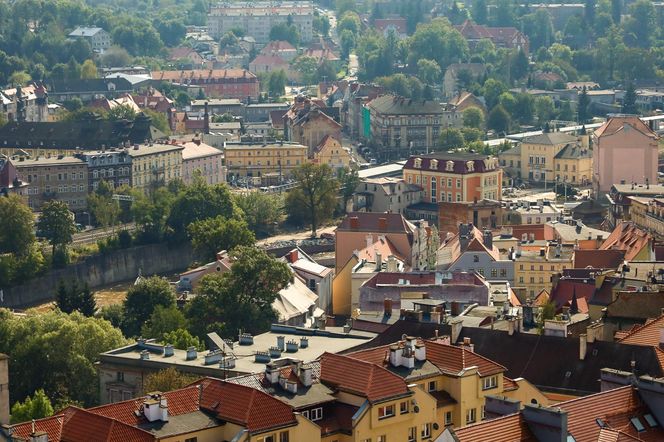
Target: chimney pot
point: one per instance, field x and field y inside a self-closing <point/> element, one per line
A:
<point x="583" y="346"/>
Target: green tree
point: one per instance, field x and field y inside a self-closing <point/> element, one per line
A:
<point x="167" y="380"/>
<point x="143" y="298"/>
<point x="277" y="83"/>
<point x="350" y="21"/>
<point x="163" y="320"/>
<point x="36" y="407"/>
<point x="241" y="298"/>
<point x="348" y="42"/>
<point x="209" y="236"/>
<point x="122" y="112"/>
<point x="56" y="224"/>
<point x="326" y="72"/>
<point x="75" y="298"/>
<point x="343" y="6"/>
<point x="102" y="206"/>
<point x="88" y="70"/>
<point x="19" y="78"/>
<point x="183" y="339"/>
<point x="17" y="226"/>
<point x="629" y="101"/>
<point x="314" y="199"/>
<point x="640" y="26"/>
<point x="224" y="118"/>
<point x="56" y="352"/>
<point x="158" y="120"/>
<point x="545" y="109"/>
<point x="480" y="11"/>
<point x="499" y="119"/>
<point x="451" y="138"/>
<point x="262" y="210"/>
<point x="473" y="117"/>
<point x="492" y="90"/>
<point x="285" y="32"/>
<point x="348" y="179"/>
<point x="428" y="71"/>
<point x="321" y="25"/>
<point x="583" y="107"/>
<point x="115" y="56"/>
<point x="87" y="304"/>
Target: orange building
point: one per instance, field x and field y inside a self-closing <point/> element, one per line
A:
<point x="455" y="177"/>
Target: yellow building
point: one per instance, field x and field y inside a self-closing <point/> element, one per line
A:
<point x="456" y="377"/>
<point x="330" y="152"/>
<point x="154" y="165"/>
<point x="648" y="213"/>
<point x="264" y="161"/>
<point x="550" y="156"/>
<point x="534" y="263"/>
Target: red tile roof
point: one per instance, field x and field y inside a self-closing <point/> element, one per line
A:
<point x="276" y="46"/>
<point x="52" y="426"/>
<point x="628" y="237"/>
<point x="359" y="377"/>
<point x="399" y="24"/>
<point x="617" y="124"/>
<point x="226" y="74"/>
<point x="510" y="428"/>
<point x="246" y="406"/>
<point x="81" y="425"/>
<point x="598" y="259"/>
<point x="563" y="292"/>
<point x="509" y="384"/>
<point x="648" y="334"/>
<point x="371" y="222"/>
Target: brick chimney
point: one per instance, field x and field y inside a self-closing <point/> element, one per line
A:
<point x="382" y="224"/>
<point x="354" y="222"/>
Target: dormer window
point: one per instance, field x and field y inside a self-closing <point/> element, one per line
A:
<point x="433" y="165"/>
<point x="470" y="165"/>
<point x="418" y="163"/>
<point x="449" y="166"/>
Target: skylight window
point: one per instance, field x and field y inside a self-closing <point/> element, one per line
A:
<point x="650" y="420"/>
<point x="637" y="424"/>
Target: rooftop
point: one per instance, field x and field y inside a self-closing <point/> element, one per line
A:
<point x="394" y="105"/>
<point x="198" y="150"/>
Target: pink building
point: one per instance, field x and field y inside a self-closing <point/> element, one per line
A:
<point x="624" y="151"/>
<point x="202" y="157"/>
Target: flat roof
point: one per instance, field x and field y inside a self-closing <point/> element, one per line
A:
<point x="52" y="161"/>
<point x="149" y="149"/>
<point x="386" y="170"/>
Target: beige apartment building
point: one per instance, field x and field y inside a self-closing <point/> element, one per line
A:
<point x="155" y="165"/>
<point x="269" y="162"/>
<point x="55" y="178"/>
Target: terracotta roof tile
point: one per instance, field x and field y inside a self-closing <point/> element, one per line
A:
<point x="371" y="222"/>
<point x="648" y="334"/>
<point x="598" y="259"/>
<point x="509" y="384"/>
<point x="52" y="426"/>
<point x="81" y="425"/>
<point x="359" y="377"/>
<point x="629" y="238"/>
<point x="511" y="428"/>
<point x="243" y="405"/>
<point x="616" y="124"/>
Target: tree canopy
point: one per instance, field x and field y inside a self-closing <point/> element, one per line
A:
<point x="315" y="197"/>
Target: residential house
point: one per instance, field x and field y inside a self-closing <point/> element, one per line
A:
<point x="318" y="278"/>
<point x="465" y="100"/>
<point x="124" y="100"/>
<point x="27" y="103"/>
<point x="61" y="178"/>
<point x="531" y="212"/>
<point x="112" y="165"/>
<point x="323" y="51"/>
<point x="308" y="125"/>
<point x="99" y="39"/>
<point x="648" y="214"/>
<point x="215" y="83"/>
<point x="330" y="151"/>
<point x="637" y="243"/>
<point x="280" y="48"/>
<point x="484" y="214"/>
<point x="218" y="106"/>
<point x="155" y="165"/>
<point x="460" y="75"/>
<point x="472" y="250"/>
<point x="268" y="63"/>
<point x="255" y="112"/>
<point x="402" y="126"/>
<point x="256" y="19"/>
<point x="10" y="183"/>
<point x="186" y="57"/>
<point x="458" y="378"/>
<point x="575" y="232"/>
<point x="624" y="151"/>
<point x="266" y="162"/>
<point x="505" y="37"/>
<point x="203" y="159"/>
<point x="628" y="408"/>
<point x="397" y="25"/>
<point x="354" y="115"/>
<point x="535" y="262"/>
<point x="122" y="371"/>
<point x="391" y="195"/>
<point x="551" y="157"/>
<point x="620" y="199"/>
<point x="455" y="177"/>
<point x="88" y="89"/>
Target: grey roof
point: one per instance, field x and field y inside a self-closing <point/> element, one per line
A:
<point x="145" y="149"/>
<point x="550" y="138"/>
<point x="181" y="424"/>
<point x="573" y="151"/>
<point x="394" y="105"/>
<point x="84" y="32"/>
<point x="43" y="161"/>
<point x="639" y="189"/>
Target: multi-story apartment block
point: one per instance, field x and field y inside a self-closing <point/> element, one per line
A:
<point x="62" y="178"/>
<point x="29" y="103"/>
<point x="381" y="195"/>
<point x="256" y="19"/>
<point x="455" y="177"/>
<point x="624" y="151"/>
<point x="202" y="158"/>
<point x="112" y="166"/>
<point x="271" y="162"/>
<point x="535" y="262"/>
<point x="99" y="39"/>
<point x="402" y="126"/>
<point x="551" y="157"/>
<point x="154" y="165"/>
<point x="215" y="83"/>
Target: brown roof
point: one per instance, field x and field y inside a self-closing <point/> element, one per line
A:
<point x="371" y="222"/>
<point x="81" y="425"/>
<point x="616" y="124"/>
<point x="276" y="46"/>
<point x="400" y="24"/>
<point x="327" y="140"/>
<point x="598" y="259"/>
<point x="629" y="238"/>
<point x="383" y="246"/>
<point x="648" y="334"/>
<point x="510" y="428"/>
<point x="52" y="426"/>
<point x="359" y="377"/>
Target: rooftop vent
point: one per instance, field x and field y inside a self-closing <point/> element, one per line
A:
<point x="155" y="407"/>
<point x="275" y="352"/>
<point x="227" y="362"/>
<point x="262" y="357"/>
<point x="168" y="350"/>
<point x="304" y="342"/>
<point x="145" y="355"/>
<point x="291" y="346"/>
<point x="246" y="339"/>
<point x="191" y="353"/>
<point x="212" y="357"/>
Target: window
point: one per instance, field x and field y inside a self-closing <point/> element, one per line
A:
<point x="426" y="431"/>
<point x="386" y="411"/>
<point x="471" y="416"/>
<point x="476" y="258"/>
<point x="458" y="197"/>
<point x="412" y="434"/>
<point x="403" y="407"/>
<point x="382" y="438"/>
<point x="284" y="436"/>
<point x="448" y="418"/>
<point x="638" y="426"/>
<point x="191" y="439"/>
<point x="449" y="182"/>
<point x="432" y="386"/>
<point x="458" y="183"/>
<point x="305" y="413"/>
<point x="503" y="273"/>
<point x="494" y="273"/>
<point x="489" y="382"/>
<point x="119" y="376"/>
<point x="316" y="414"/>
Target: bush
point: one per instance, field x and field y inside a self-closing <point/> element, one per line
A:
<point x="60" y="258"/>
<point x="124" y="239"/>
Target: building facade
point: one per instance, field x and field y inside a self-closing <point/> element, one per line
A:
<point x="625" y="151"/>
<point x="99" y="39"/>
<point x="256" y="19"/>
<point x="201" y="158"/>
<point x="112" y="166"/>
<point x="215" y="83"/>
<point x="330" y="151"/>
<point x="269" y="162"/>
<point x="391" y="195"/>
<point x="155" y="165"/>
<point x="455" y="177"/>
<point x="56" y="178"/>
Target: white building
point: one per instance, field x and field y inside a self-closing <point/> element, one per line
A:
<point x="256" y="19"/>
<point x="99" y="39"/>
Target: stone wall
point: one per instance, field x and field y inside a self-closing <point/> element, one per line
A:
<point x="102" y="270"/>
